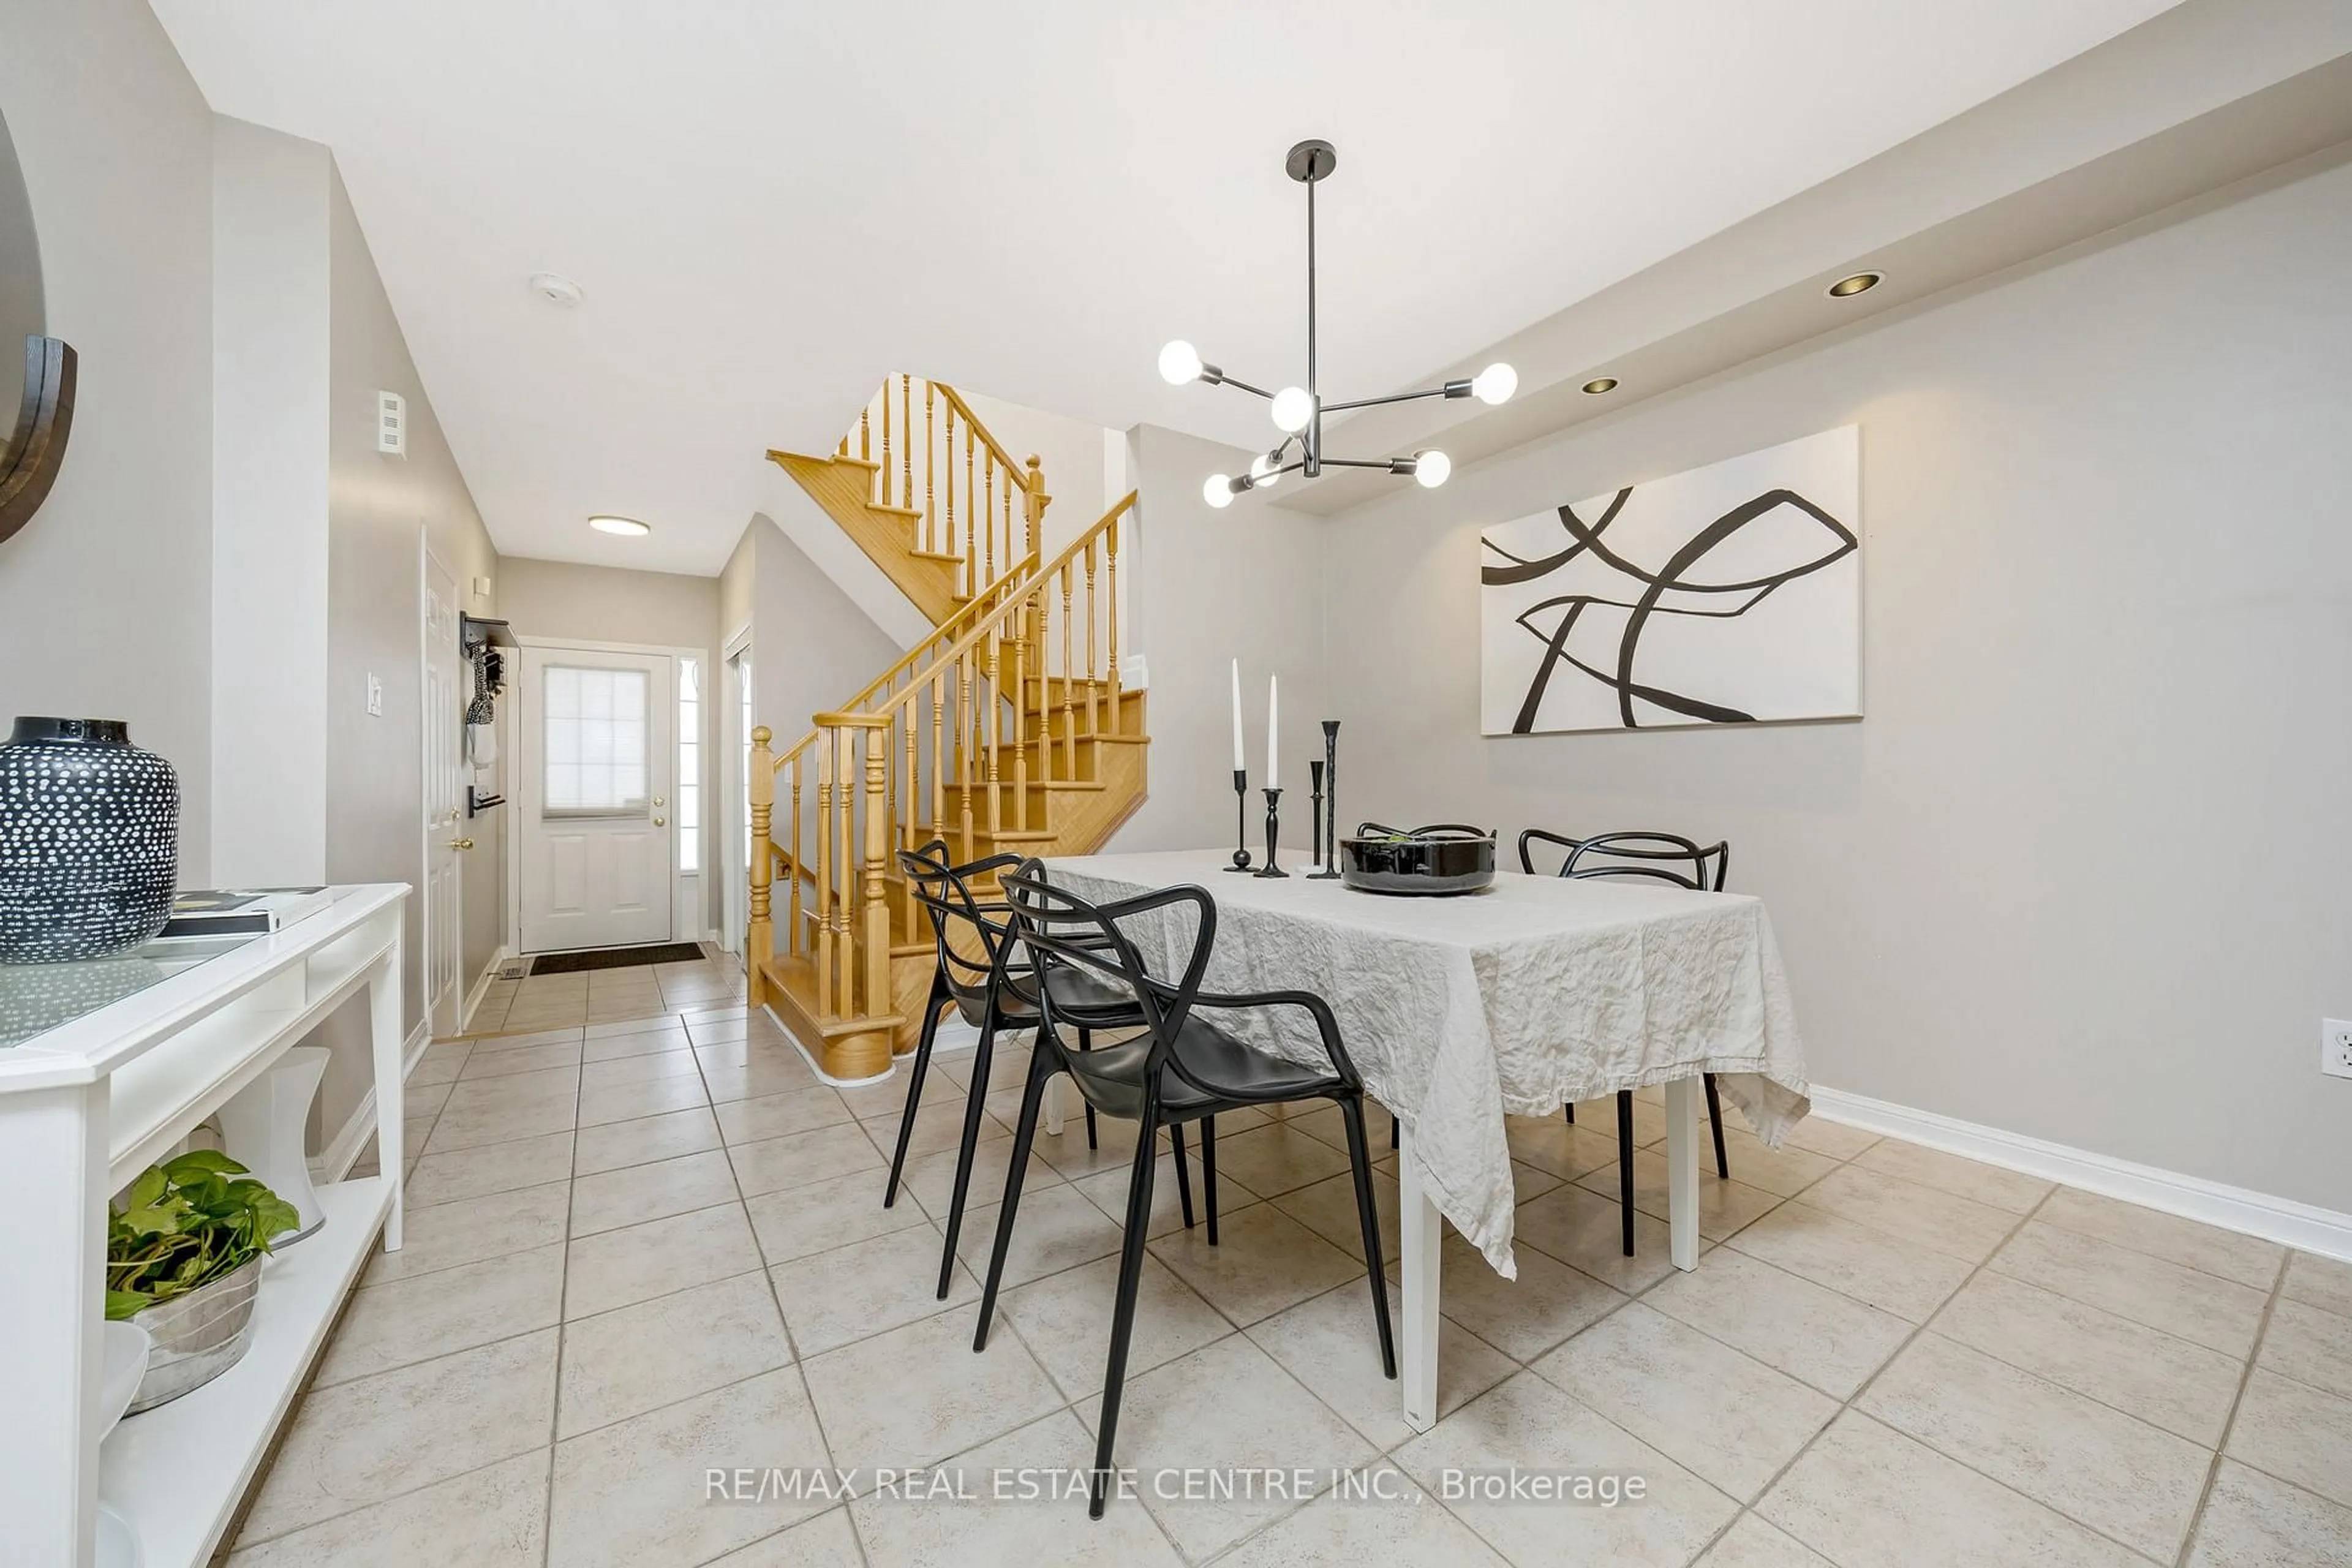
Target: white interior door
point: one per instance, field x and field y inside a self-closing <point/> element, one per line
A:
<point x="444" y="812"/>
<point x="596" y="758"/>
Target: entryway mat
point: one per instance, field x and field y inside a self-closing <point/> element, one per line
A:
<point x="617" y="958"/>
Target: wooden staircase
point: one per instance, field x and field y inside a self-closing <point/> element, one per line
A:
<point x="1005" y="730"/>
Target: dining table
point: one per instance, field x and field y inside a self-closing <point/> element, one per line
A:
<point x="1529" y="995"/>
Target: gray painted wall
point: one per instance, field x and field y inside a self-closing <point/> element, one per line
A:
<point x="1207" y="587"/>
<point x="379" y="508"/>
<point x="2080" y="871"/>
<point x="104" y="608"/>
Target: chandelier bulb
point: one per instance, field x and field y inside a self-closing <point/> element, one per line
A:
<point x="1217" y="490"/>
<point x="1180" y="361"/>
<point x="1495" y="383"/>
<point x="1430" y="468"/>
<point x="1292" y="408"/>
<point x="1265" y="468"/>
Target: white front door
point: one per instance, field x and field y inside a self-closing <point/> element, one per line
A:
<point x="595" y="766"/>
<point x="444" y="816"/>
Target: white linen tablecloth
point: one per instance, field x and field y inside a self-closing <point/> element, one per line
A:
<point x="1455" y="1010"/>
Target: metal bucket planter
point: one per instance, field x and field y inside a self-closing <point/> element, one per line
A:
<point x="197" y="1336"/>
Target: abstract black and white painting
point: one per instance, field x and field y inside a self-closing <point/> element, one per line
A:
<point x="1727" y="594"/>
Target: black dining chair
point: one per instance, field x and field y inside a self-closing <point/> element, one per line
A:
<point x="1656" y="856"/>
<point x="1182" y="1068"/>
<point x="982" y="975"/>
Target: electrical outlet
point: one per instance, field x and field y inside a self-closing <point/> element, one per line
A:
<point x="374" y="696"/>
<point x="2335" y="1047"/>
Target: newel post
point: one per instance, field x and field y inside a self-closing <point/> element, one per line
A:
<point x="1036" y="499"/>
<point x="758" y="942"/>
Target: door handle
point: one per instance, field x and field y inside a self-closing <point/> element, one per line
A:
<point x="461" y="844"/>
<point x="661" y="822"/>
<point x="659" y="801"/>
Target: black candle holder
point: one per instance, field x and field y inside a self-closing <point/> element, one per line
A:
<point x="1241" y="821"/>
<point x="1330" y="804"/>
<point x="1273" y="832"/>
<point x="1315" y="830"/>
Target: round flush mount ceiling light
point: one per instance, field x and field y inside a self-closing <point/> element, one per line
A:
<point x="556" y="288"/>
<point x="1601" y="384"/>
<point x="1856" y="283"/>
<point x="626" y="527"/>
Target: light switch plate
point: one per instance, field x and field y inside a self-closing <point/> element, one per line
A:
<point x="374" y="696"/>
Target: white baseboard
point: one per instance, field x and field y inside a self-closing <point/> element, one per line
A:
<point x="334" y="1163"/>
<point x="1134" y="674"/>
<point x="481" y="987"/>
<point x="2300" y="1224"/>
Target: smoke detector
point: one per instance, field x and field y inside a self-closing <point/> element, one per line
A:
<point x="555" y="288"/>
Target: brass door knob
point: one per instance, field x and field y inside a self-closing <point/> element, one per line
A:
<point x="659" y="801"/>
<point x="661" y="822"/>
<point x="461" y="844"/>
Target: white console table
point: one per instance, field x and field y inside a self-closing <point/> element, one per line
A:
<point x="86" y="1106"/>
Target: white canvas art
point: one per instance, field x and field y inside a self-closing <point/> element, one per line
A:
<point x="1728" y="595"/>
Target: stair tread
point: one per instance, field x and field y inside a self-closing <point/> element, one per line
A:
<point x="891" y="509"/>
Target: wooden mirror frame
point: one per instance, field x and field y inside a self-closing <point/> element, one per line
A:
<point x="37" y="447"/>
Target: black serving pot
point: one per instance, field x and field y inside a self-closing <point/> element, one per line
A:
<point x="1446" y="858"/>
<point x="88" y="841"/>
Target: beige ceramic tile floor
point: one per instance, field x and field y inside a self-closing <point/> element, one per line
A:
<point x="641" y="1250"/>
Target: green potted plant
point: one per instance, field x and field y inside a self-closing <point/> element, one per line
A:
<point x="183" y="1255"/>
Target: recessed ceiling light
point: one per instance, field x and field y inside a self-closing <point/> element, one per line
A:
<point x="1601" y="384"/>
<point x="1859" y="283"/>
<point x="555" y="288"/>
<point x="627" y="526"/>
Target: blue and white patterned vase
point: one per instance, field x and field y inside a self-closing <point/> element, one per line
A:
<point x="90" y="829"/>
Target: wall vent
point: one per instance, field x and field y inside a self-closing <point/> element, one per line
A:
<point x="392" y="424"/>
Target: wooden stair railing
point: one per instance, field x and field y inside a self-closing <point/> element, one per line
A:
<point x="1016" y="734"/>
<point x="936" y="513"/>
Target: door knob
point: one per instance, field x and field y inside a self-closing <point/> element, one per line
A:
<point x="659" y="801"/>
<point x="661" y="822"/>
<point x="461" y="844"/>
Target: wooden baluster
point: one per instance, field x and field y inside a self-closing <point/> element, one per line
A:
<point x="1008" y="517"/>
<point x="882" y="476"/>
<point x="988" y="519"/>
<point x="991" y="668"/>
<point x="909" y="716"/>
<point x="798" y="942"/>
<point x="975" y="509"/>
<point x="939" y="756"/>
<point x="1069" y="701"/>
<point x="946" y="541"/>
<point x="930" y="506"/>
<point x="865" y="434"/>
<point x="1094" y="691"/>
<point x="758" y="942"/>
<point x="1020" y="732"/>
<point x="964" y="734"/>
<point x="1033" y="617"/>
<point x="845" y="860"/>
<point x="877" y="936"/>
<point x="1110" y="591"/>
<point x="905" y="440"/>
<point x="823" y="743"/>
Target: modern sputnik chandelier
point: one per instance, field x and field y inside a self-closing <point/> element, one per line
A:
<point x="1298" y="411"/>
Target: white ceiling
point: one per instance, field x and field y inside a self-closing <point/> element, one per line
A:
<point x="770" y="205"/>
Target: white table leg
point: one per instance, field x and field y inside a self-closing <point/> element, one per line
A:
<point x="1053" y="1105"/>
<point x="1422" y="1230"/>
<point x="53" y="1160"/>
<point x="1682" y="1172"/>
<point x="390" y="1092"/>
